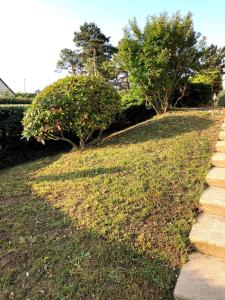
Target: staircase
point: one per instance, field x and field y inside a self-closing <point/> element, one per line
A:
<point x="203" y="277"/>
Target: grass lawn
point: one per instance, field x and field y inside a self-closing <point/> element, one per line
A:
<point x="110" y="222"/>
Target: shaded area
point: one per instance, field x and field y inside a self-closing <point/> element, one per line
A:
<point x="80" y="174"/>
<point x="23" y="151"/>
<point x="30" y="151"/>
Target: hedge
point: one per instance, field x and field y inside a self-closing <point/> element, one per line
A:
<point x="15" y="101"/>
<point x="10" y="125"/>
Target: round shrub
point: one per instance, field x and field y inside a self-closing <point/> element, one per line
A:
<point x="79" y="105"/>
<point x="221" y="99"/>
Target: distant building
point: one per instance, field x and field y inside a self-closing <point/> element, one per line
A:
<point x="5" y="89"/>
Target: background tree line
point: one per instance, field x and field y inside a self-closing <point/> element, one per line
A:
<point x="160" y="65"/>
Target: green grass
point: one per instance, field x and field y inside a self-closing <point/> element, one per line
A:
<point x="110" y="222"/>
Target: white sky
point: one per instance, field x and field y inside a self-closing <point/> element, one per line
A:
<point x="32" y="36"/>
<point x="33" y="32"/>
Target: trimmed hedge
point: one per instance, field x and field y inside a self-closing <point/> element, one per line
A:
<point x="74" y="105"/>
<point x="15" y="101"/>
<point x="198" y="94"/>
<point x="11" y="125"/>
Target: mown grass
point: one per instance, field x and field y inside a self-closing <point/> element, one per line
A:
<point x="110" y="222"/>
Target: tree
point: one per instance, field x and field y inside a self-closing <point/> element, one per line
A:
<point x="93" y="49"/>
<point x="214" y="58"/>
<point x="70" y="60"/>
<point x="160" y="58"/>
<point x="73" y="106"/>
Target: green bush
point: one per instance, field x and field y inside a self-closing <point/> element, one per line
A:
<point x="75" y="105"/>
<point x="198" y="94"/>
<point x="15" y="101"/>
<point x="202" y="87"/>
<point x="221" y="99"/>
<point x="131" y="98"/>
<point x="11" y="125"/>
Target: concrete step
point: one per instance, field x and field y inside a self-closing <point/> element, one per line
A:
<point x="220" y="146"/>
<point x="213" y="201"/>
<point x="218" y="160"/>
<point x="202" y="278"/>
<point x="208" y="235"/>
<point x="222" y="135"/>
<point x="216" y="177"/>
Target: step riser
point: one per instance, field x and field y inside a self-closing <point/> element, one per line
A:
<point x="212" y="209"/>
<point x="216" y="183"/>
<point x="218" y="163"/>
<point x="222" y="136"/>
<point x="208" y="249"/>
<point x="220" y="149"/>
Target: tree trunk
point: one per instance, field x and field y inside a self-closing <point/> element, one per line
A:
<point x="94" y="63"/>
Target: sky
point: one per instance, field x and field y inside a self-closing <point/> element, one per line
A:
<point x="34" y="31"/>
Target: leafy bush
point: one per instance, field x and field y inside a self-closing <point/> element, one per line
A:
<point x="198" y="94"/>
<point x="78" y="105"/>
<point x="202" y="87"/>
<point x="15" y="101"/>
<point x="210" y="77"/>
<point x="221" y="99"/>
<point x="11" y="125"/>
<point x="131" y="97"/>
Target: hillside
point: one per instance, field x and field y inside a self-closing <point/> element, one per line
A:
<point x="109" y="222"/>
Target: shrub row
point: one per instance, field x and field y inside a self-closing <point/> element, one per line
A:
<point x="11" y="125"/>
<point x="16" y="101"/>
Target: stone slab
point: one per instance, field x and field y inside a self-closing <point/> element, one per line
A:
<point x="208" y="235"/>
<point x="213" y="201"/>
<point x="216" y="177"/>
<point x="202" y="278"/>
<point x="218" y="160"/>
<point x="220" y="146"/>
<point x="222" y="135"/>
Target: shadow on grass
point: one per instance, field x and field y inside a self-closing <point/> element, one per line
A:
<point x="45" y="255"/>
<point x="163" y="128"/>
<point x="81" y="174"/>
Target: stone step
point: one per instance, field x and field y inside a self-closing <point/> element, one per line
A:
<point x="202" y="278"/>
<point x="222" y="135"/>
<point x="213" y="201"/>
<point x="218" y="160"/>
<point x="208" y="235"/>
<point x="223" y="126"/>
<point x="216" y="177"/>
<point x="220" y="146"/>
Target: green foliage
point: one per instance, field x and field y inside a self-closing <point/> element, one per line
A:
<point x="10" y="125"/>
<point x="198" y="93"/>
<point x="11" y="100"/>
<point x="21" y="95"/>
<point x="161" y="57"/>
<point x="210" y="77"/>
<point x="93" y="49"/>
<point x="221" y="99"/>
<point x="77" y="105"/>
<point x="131" y="97"/>
<point x="214" y="57"/>
<point x="202" y="87"/>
